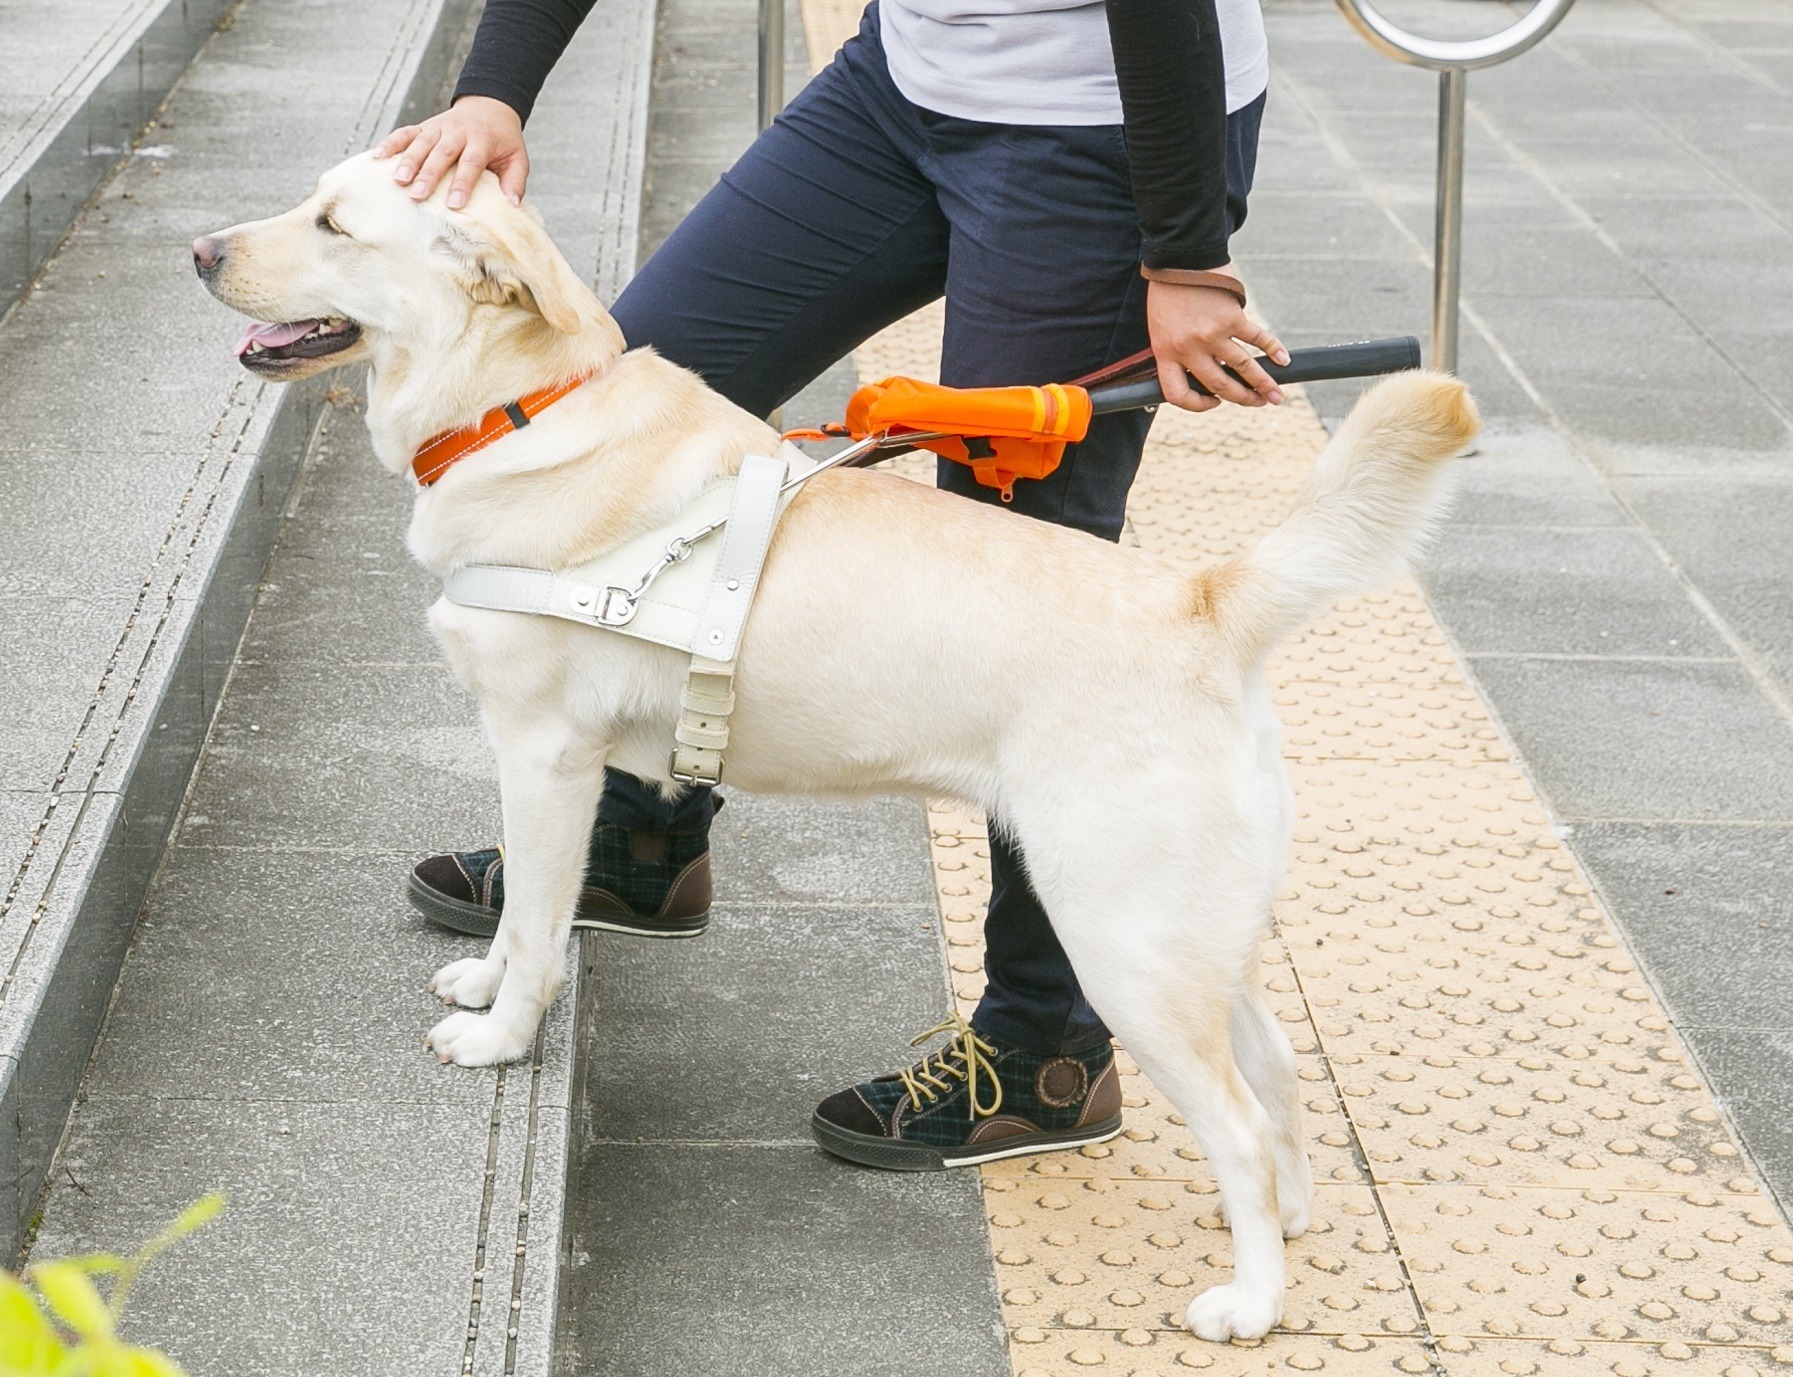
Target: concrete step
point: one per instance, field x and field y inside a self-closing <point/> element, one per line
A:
<point x="142" y="475"/>
<point x="263" y="1037"/>
<point x="79" y="81"/>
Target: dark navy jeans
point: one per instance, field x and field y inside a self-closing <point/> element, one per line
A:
<point x="852" y="211"/>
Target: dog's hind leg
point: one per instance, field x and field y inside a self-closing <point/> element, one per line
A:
<point x="1179" y="1034"/>
<point x="550" y="784"/>
<point x="1166" y="967"/>
<point x="1268" y="1064"/>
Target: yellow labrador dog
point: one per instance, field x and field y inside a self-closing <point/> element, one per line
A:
<point x="902" y="641"/>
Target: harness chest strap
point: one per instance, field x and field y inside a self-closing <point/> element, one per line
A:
<point x="699" y="601"/>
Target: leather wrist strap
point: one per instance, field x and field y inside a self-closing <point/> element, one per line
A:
<point x="1196" y="277"/>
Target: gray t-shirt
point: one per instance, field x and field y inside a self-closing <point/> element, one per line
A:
<point x="1038" y="61"/>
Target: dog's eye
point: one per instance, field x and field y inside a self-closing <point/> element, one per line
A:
<point x="330" y="226"/>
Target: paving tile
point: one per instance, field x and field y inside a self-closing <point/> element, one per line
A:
<point x="365" y="757"/>
<point x="1530" y="476"/>
<point x="1460" y="1357"/>
<point x="1644" y="1266"/>
<point x="1645" y="350"/>
<point x="1613" y="738"/>
<point x="1709" y="912"/>
<point x="49" y="499"/>
<point x="1106" y="1254"/>
<point x="281" y="976"/>
<point x="58" y="651"/>
<point x="737" y="1012"/>
<point x="1333" y="227"/>
<point x="1631" y="1123"/>
<point x="800" y="851"/>
<point x="1342" y="300"/>
<point x="1730" y="536"/>
<point x="1657" y="232"/>
<point x="355" y="1192"/>
<point x="21" y="815"/>
<point x="700" y="1259"/>
<point x="1751" y="1070"/>
<point x="1650" y="166"/>
<point x="344" y="588"/>
<point x="1578" y="592"/>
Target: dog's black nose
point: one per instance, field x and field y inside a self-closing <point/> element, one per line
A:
<point x="208" y="253"/>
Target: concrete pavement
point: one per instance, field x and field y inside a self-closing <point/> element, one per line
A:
<point x="1542" y="827"/>
<point x="1619" y="575"/>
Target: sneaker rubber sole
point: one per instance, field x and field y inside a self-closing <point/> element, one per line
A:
<point x="476" y="920"/>
<point x="894" y="1154"/>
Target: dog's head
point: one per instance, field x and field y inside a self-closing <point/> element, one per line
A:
<point x="359" y="269"/>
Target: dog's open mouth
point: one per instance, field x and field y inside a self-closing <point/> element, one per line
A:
<point x="270" y="348"/>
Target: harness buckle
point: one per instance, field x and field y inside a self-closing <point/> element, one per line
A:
<point x="609" y="606"/>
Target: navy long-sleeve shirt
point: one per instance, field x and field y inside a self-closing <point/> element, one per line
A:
<point x="1168" y="66"/>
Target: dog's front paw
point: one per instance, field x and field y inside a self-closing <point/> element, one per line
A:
<point x="476" y="1040"/>
<point x="471" y="984"/>
<point x="1229" y="1312"/>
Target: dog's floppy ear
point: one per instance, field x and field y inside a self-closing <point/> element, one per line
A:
<point x="508" y="256"/>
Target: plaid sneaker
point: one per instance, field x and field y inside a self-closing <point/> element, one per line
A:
<point x="971" y="1102"/>
<point x="648" y="884"/>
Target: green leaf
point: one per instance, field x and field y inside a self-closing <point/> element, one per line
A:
<point x="117" y="1360"/>
<point x="196" y="1216"/>
<point x="28" y="1343"/>
<point x="74" y="1298"/>
<point x="142" y="1362"/>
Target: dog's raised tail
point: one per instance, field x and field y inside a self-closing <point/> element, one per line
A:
<point x="1374" y="495"/>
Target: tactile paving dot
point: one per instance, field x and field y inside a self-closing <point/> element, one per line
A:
<point x="1128" y="1254"/>
<point x="1570" y="1358"/>
<point x="1462" y="1012"/>
<point x="1157" y="1145"/>
<point x="1639" y="1124"/>
<point x="1596" y="1264"/>
<point x="1145" y="1353"/>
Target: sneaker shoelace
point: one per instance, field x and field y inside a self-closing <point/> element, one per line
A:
<point x="964" y="1059"/>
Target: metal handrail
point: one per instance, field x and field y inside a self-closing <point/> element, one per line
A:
<point x="771" y="60"/>
<point x="1453" y="60"/>
<point x="1467" y="53"/>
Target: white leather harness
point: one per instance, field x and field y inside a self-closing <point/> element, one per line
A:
<point x="673" y="587"/>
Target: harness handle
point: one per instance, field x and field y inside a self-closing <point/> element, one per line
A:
<point x="1133" y="382"/>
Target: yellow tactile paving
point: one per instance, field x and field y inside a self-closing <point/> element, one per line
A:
<point x="1519" y="1174"/>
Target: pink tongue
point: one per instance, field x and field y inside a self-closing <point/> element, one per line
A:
<point x="273" y="336"/>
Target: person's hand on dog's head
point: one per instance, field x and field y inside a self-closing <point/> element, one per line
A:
<point x="477" y="133"/>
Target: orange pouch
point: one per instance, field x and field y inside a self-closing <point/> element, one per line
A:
<point x="1001" y="433"/>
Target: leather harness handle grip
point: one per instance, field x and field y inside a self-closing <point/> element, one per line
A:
<point x="1362" y="359"/>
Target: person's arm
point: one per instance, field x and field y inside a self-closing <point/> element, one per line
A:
<point x="515" y="47"/>
<point x="1172" y="76"/>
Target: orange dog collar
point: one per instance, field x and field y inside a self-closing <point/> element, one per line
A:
<point x="441" y="454"/>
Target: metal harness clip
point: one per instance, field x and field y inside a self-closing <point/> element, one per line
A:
<point x="611" y="606"/>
